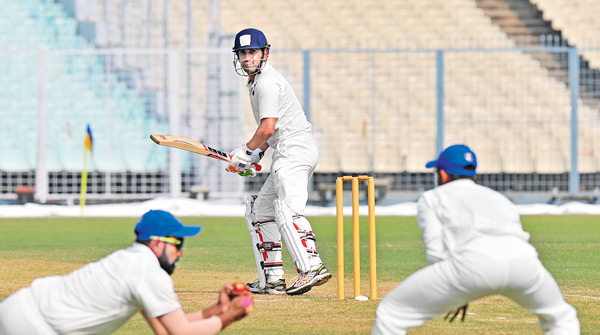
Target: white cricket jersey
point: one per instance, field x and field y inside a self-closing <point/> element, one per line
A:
<point x="462" y="216"/>
<point x="102" y="296"/>
<point x="271" y="96"/>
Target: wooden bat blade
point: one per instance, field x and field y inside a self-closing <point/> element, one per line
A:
<point x="185" y="143"/>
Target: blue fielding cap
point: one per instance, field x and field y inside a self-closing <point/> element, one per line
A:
<point x="454" y="160"/>
<point x="162" y="223"/>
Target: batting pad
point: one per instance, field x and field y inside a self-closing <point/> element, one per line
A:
<point x="308" y="236"/>
<point x="254" y="236"/>
<point x="289" y="232"/>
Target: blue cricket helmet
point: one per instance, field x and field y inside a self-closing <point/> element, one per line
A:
<point x="250" y="38"/>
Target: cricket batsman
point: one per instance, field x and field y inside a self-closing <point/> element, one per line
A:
<point x="277" y="209"/>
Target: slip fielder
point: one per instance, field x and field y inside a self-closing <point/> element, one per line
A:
<point x="101" y="296"/>
<point x="477" y="247"/>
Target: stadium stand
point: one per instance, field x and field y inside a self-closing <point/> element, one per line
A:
<point x="519" y="19"/>
<point x="495" y="82"/>
<point x="373" y="105"/>
<point x="79" y="90"/>
<point x="577" y="20"/>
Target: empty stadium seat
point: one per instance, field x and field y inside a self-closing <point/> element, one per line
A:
<point x="78" y="89"/>
<point x="392" y="90"/>
<point x="486" y="87"/>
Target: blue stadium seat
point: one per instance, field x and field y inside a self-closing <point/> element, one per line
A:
<point x="79" y="90"/>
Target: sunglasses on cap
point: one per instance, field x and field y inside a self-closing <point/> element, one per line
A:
<point x="177" y="242"/>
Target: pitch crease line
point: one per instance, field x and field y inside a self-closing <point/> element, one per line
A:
<point x="581" y="296"/>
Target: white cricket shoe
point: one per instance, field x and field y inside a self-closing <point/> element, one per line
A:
<point x="276" y="287"/>
<point x="305" y="281"/>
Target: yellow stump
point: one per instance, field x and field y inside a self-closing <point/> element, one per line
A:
<point x="339" y="198"/>
<point x="356" y="234"/>
<point x="355" y="237"/>
<point x="372" y="241"/>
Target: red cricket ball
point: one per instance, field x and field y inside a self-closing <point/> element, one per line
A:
<point x="239" y="288"/>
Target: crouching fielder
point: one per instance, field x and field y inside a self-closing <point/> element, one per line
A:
<point x="477" y="247"/>
<point x="101" y="296"/>
<point x="277" y="210"/>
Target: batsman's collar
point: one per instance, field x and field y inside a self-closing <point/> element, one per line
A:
<point x="162" y="223"/>
<point x="455" y="159"/>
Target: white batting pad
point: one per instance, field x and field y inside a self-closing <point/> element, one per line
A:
<point x="311" y="245"/>
<point x="283" y="218"/>
<point x="255" y="242"/>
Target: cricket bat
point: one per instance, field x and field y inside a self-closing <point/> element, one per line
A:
<point x="185" y="143"/>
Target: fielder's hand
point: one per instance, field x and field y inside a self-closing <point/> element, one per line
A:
<point x="456" y="312"/>
<point x="235" y="305"/>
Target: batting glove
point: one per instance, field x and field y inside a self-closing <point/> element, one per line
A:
<point x="230" y="168"/>
<point x="257" y="155"/>
<point x="250" y="173"/>
<point x="241" y="160"/>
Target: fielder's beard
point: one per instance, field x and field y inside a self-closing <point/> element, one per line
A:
<point x="163" y="260"/>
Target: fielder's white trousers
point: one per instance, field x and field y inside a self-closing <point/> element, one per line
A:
<point x="19" y="315"/>
<point x="446" y="285"/>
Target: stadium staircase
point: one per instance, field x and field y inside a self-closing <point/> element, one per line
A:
<point x="524" y="21"/>
<point x="518" y="18"/>
<point x="577" y="21"/>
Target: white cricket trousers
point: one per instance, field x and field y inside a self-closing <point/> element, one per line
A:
<point x="294" y="161"/>
<point x="19" y="315"/>
<point x="448" y="284"/>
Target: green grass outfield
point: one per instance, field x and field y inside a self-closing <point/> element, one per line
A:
<point x="569" y="246"/>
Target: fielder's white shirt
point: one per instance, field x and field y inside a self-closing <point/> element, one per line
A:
<point x="271" y="96"/>
<point x="102" y="296"/>
<point x="462" y="216"/>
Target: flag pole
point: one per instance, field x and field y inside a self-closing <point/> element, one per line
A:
<point x="83" y="183"/>
<point x="88" y="146"/>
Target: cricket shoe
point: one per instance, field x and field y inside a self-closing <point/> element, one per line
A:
<point x="305" y="281"/>
<point x="276" y="287"/>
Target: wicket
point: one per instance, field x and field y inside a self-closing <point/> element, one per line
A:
<point x="355" y="234"/>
